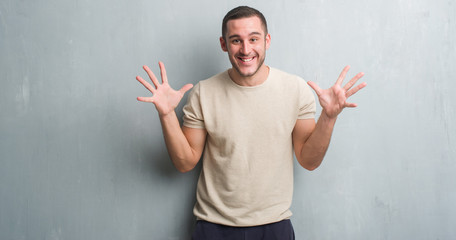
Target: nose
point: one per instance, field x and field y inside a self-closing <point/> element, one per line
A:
<point x="245" y="49"/>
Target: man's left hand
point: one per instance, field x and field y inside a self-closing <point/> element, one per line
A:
<point x="333" y="100"/>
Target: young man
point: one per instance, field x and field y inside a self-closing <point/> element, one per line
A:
<point x="248" y="120"/>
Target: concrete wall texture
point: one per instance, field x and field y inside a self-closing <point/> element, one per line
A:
<point x="80" y="158"/>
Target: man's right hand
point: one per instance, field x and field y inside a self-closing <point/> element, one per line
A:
<point x="163" y="97"/>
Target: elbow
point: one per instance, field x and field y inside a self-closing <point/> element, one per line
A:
<point x="185" y="169"/>
<point x="184" y="165"/>
<point x="310" y="161"/>
<point x="309" y="165"/>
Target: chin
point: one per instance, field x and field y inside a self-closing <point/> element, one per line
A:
<point x="249" y="73"/>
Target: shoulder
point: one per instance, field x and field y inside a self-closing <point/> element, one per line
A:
<point x="287" y="79"/>
<point x="280" y="73"/>
<point x="210" y="83"/>
<point x="210" y="86"/>
<point x="215" y="81"/>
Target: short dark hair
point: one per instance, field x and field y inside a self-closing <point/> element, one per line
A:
<point x="243" y="12"/>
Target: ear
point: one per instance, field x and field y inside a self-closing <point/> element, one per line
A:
<point x="223" y="44"/>
<point x="268" y="40"/>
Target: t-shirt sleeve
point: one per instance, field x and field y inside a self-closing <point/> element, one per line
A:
<point x="307" y="106"/>
<point x="193" y="116"/>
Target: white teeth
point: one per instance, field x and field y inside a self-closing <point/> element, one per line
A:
<point x="246" y="59"/>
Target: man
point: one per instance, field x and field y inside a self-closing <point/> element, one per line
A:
<point x="247" y="120"/>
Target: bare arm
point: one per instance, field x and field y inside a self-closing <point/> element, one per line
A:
<point x="185" y="145"/>
<point x="311" y="140"/>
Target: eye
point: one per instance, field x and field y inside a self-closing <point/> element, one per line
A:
<point x="236" y="41"/>
<point x="254" y="39"/>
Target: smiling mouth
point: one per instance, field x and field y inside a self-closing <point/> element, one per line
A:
<point x="246" y="59"/>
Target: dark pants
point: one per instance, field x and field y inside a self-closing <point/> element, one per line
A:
<point x="282" y="230"/>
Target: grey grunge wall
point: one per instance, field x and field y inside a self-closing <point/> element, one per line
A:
<point x="80" y="158"/>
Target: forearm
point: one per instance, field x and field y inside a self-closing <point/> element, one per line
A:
<point x="311" y="150"/>
<point x="179" y="149"/>
<point x="314" y="149"/>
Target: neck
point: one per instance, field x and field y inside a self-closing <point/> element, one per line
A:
<point x="249" y="81"/>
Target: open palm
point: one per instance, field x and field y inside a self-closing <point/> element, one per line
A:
<point x="333" y="100"/>
<point x="163" y="97"/>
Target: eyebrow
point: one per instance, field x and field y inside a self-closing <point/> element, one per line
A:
<point x="236" y="35"/>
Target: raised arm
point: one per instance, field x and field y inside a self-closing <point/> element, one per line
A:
<point x="311" y="140"/>
<point x="185" y="145"/>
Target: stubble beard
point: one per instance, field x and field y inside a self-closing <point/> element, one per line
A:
<point x="236" y="67"/>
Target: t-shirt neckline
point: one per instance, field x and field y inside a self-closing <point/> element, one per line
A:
<point x="249" y="87"/>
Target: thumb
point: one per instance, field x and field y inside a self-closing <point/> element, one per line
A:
<point x="315" y="87"/>
<point x="185" y="88"/>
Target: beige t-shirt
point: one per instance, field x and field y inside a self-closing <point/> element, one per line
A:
<point x="247" y="173"/>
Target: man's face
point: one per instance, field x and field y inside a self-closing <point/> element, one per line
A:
<point x="246" y="44"/>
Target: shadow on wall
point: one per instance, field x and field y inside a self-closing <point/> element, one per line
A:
<point x="159" y="193"/>
<point x="147" y="155"/>
<point x="161" y="166"/>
